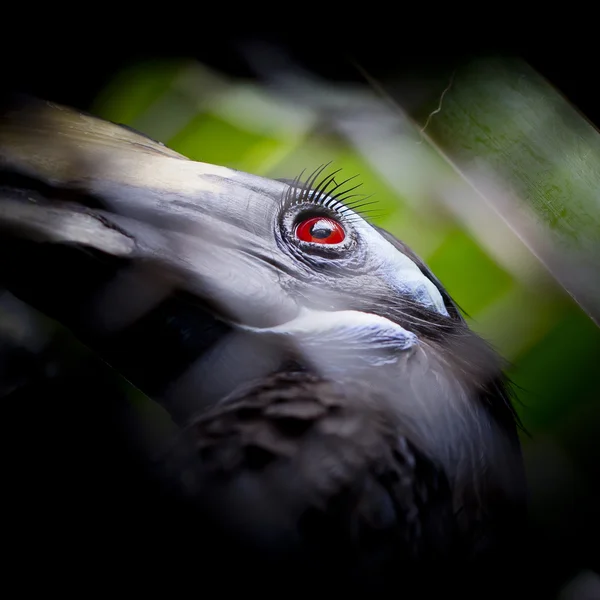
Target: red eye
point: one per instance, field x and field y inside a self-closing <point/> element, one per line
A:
<point x="320" y="230"/>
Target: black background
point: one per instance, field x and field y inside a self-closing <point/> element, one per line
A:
<point x="68" y="60"/>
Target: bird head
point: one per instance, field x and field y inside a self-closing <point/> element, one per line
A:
<point x="195" y="279"/>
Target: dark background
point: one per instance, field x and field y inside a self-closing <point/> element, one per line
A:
<point x="70" y="62"/>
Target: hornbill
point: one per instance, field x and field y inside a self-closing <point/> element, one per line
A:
<point x="338" y="421"/>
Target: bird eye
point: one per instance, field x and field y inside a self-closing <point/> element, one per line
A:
<point x="320" y="230"/>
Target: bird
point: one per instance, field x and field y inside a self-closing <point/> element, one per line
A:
<point x="339" y="425"/>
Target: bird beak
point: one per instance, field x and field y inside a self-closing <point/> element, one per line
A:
<point x="79" y="180"/>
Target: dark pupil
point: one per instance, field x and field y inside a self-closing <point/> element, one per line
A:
<point x="321" y="230"/>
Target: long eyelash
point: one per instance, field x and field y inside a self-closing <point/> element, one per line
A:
<point x="323" y="194"/>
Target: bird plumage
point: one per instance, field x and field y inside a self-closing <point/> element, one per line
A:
<point x="311" y="475"/>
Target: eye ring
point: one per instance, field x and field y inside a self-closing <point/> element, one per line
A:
<point x="320" y="230"/>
